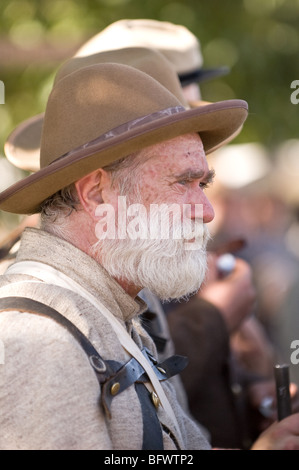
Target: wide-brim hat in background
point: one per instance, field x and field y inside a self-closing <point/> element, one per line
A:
<point x="22" y="147"/>
<point x="179" y="45"/>
<point x="238" y="166"/>
<point x="101" y="113"/>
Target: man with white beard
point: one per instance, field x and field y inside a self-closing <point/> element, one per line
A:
<point x="79" y="371"/>
<point x="156" y="245"/>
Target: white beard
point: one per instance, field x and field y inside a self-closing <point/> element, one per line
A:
<point x="166" y="267"/>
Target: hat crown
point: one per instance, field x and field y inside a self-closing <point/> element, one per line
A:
<point x="147" y="60"/>
<point x="93" y="101"/>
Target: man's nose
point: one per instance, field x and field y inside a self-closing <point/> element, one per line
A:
<point x="208" y="211"/>
<point x="203" y="210"/>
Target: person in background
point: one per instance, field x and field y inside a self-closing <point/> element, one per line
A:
<point x="282" y="319"/>
<point x="261" y="196"/>
<point x="242" y="201"/>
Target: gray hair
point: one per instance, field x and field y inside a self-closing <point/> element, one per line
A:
<point x="60" y="205"/>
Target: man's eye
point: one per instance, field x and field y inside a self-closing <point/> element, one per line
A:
<point x="204" y="185"/>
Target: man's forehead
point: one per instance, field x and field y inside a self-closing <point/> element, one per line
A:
<point x="182" y="141"/>
<point x="189" y="145"/>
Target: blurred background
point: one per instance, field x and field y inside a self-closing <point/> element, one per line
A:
<point x="259" y="41"/>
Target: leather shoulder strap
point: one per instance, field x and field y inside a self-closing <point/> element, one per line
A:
<point x="24" y="304"/>
<point x="152" y="433"/>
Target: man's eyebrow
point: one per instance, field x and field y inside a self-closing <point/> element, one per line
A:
<point x="194" y="175"/>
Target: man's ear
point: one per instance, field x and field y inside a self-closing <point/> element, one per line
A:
<point x="91" y="190"/>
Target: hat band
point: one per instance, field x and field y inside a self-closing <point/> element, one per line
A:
<point x="123" y="128"/>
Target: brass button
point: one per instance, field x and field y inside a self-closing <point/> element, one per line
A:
<point x="115" y="388"/>
<point x="155" y="399"/>
<point x="160" y="369"/>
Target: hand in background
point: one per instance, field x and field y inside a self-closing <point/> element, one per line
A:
<point x="234" y="295"/>
<point x="264" y="392"/>
<point x="282" y="435"/>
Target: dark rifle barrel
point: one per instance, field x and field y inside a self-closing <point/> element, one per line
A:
<point x="282" y="380"/>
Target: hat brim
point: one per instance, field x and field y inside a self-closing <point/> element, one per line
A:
<point x="215" y="123"/>
<point x="22" y="147"/>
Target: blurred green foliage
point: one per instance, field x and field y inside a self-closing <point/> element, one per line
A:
<point x="258" y="39"/>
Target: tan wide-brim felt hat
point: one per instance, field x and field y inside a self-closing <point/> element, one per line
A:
<point x="22" y="147"/>
<point x="101" y="113"/>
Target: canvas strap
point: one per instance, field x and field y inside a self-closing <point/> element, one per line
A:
<point x="50" y="275"/>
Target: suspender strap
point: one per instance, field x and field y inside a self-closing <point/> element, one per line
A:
<point x="152" y="438"/>
<point x="24" y="304"/>
<point x="113" y="377"/>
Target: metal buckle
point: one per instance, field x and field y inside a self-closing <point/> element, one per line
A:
<point x="98" y="364"/>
